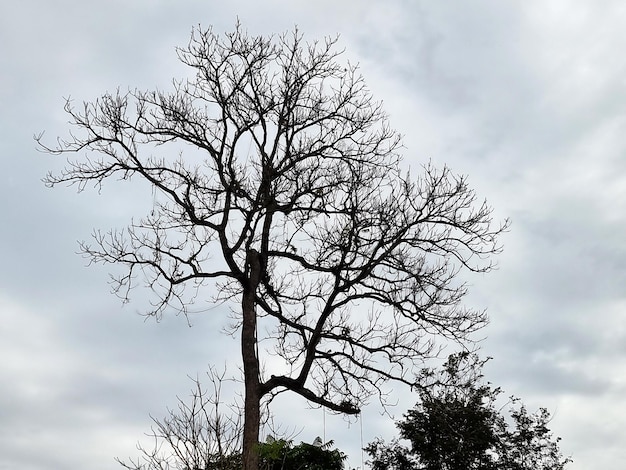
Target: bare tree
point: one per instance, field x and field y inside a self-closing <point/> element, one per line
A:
<point x="199" y="435"/>
<point x="277" y="183"/>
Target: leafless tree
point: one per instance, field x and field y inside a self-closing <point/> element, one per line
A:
<point x="277" y="183"/>
<point x="199" y="435"/>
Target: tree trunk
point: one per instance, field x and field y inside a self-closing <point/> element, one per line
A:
<point x="252" y="408"/>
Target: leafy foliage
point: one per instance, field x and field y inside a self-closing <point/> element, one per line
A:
<point x="456" y="425"/>
<point x="283" y="455"/>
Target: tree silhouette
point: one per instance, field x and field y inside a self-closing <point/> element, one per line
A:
<point x="282" y="454"/>
<point x="202" y="433"/>
<point x="277" y="186"/>
<point x="456" y="425"/>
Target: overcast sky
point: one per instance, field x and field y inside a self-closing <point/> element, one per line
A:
<point x="525" y="97"/>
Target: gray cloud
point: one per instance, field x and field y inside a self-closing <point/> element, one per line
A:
<point x="526" y="99"/>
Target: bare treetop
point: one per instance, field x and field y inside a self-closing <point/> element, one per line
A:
<point x="277" y="183"/>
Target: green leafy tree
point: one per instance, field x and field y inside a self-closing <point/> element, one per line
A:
<point x="281" y="454"/>
<point x="277" y="186"/>
<point x="392" y="456"/>
<point x="456" y="425"/>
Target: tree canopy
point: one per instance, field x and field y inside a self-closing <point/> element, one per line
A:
<point x="458" y="425"/>
<point x="277" y="186"/>
<point x="282" y="454"/>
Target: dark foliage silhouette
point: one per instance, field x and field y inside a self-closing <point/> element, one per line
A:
<point x="457" y="425"/>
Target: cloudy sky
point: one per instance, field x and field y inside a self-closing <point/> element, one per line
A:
<point x="525" y="97"/>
